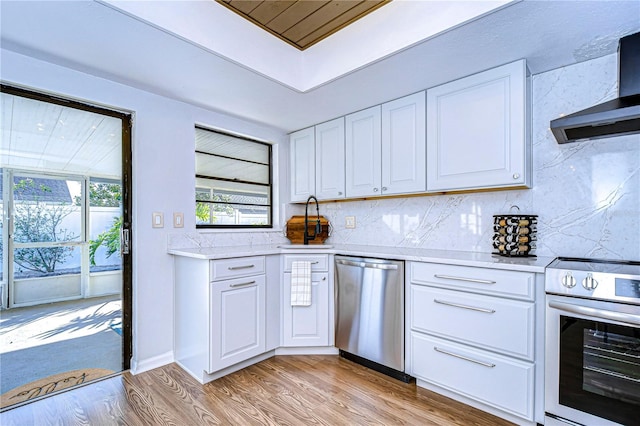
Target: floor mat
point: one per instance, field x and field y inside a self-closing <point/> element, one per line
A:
<point x="51" y="384"/>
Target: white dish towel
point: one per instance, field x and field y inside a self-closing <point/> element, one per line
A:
<point x="300" y="283"/>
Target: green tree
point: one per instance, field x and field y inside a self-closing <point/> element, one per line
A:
<point x="37" y="221"/>
<point x="208" y="212"/>
<point x="109" y="238"/>
<point x="105" y="195"/>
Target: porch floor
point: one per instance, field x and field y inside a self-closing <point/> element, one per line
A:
<point x="39" y="341"/>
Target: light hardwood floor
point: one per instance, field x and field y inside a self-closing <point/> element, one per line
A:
<point x="283" y="390"/>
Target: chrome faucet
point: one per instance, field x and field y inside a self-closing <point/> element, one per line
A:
<point x="317" y="230"/>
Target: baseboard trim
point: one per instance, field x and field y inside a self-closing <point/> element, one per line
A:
<point x="140" y="366"/>
<point x="312" y="350"/>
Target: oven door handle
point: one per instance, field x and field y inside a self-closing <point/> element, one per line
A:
<point x="597" y="313"/>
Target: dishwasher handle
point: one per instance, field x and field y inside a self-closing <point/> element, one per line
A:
<point x="386" y="266"/>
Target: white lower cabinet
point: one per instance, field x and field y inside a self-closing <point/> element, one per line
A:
<point x="237" y="320"/>
<point x="307" y="326"/>
<point x="441" y="313"/>
<point x="502" y="382"/>
<point x="473" y="332"/>
<point x="221" y="313"/>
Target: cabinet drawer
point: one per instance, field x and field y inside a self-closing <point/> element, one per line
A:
<point x="237" y="267"/>
<point x="319" y="262"/>
<point x="501" y="382"/>
<point x="519" y="285"/>
<point x="488" y="322"/>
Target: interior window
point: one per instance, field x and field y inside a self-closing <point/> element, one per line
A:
<point x="233" y="181"/>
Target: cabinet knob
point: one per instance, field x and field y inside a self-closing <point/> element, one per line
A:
<point x="516" y="175"/>
<point x="384" y="188"/>
<point x="375" y="189"/>
<point x="339" y="192"/>
<point x="324" y="278"/>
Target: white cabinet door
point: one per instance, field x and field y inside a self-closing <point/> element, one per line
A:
<point x="363" y="153"/>
<point x="477" y="131"/>
<point x="495" y="380"/>
<point x="488" y="322"/>
<point x="404" y="145"/>
<point x="329" y="155"/>
<point x="307" y="325"/>
<point x="302" y="164"/>
<point x="238" y="320"/>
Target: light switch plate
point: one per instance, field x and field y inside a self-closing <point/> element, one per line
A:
<point x="350" y="222"/>
<point x="178" y="220"/>
<point x="157" y="220"/>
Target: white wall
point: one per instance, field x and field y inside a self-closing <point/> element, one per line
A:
<point x="163" y="181"/>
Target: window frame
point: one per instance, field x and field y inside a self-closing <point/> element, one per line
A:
<point x="269" y="206"/>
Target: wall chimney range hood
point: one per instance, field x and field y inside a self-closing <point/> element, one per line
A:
<point x="617" y="117"/>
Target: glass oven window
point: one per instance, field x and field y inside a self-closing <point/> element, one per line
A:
<point x="600" y="369"/>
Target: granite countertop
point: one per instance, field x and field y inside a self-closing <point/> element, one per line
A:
<point x="450" y="257"/>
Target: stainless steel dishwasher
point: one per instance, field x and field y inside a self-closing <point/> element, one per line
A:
<point x="370" y="313"/>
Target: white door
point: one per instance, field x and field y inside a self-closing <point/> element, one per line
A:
<point x="66" y="201"/>
<point x="404" y="145"/>
<point x="477" y="131"/>
<point x="302" y="164"/>
<point x="329" y="155"/>
<point x="238" y="328"/>
<point x="307" y="325"/>
<point x="363" y="153"/>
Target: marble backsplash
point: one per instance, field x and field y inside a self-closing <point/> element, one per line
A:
<point x="586" y="194"/>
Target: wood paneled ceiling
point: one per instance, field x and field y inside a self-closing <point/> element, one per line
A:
<point x="303" y="23"/>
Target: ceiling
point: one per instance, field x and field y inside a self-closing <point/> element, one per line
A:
<point x="47" y="137"/>
<point x="302" y="23"/>
<point x="215" y="59"/>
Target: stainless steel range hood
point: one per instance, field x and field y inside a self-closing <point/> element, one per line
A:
<point x="617" y="117"/>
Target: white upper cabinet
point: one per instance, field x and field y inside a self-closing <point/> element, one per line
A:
<point x="363" y="153"/>
<point x="302" y="164"/>
<point x="329" y="160"/>
<point x="385" y="148"/>
<point x="404" y="145"/>
<point x="477" y="131"/>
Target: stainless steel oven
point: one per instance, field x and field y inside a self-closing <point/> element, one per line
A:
<point x="592" y="371"/>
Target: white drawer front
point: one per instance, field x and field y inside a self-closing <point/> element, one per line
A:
<point x="488" y="322"/>
<point x="319" y="262"/>
<point x="519" y="285"/>
<point x="501" y="382"/>
<point x="237" y="267"/>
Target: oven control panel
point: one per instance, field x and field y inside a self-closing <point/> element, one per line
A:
<point x="594" y="279"/>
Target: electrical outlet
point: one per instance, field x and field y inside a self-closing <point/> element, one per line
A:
<point x="350" y="222"/>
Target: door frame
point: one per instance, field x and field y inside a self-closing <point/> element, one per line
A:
<point x="127" y="201"/>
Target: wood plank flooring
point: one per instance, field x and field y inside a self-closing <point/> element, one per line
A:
<point x="283" y="390"/>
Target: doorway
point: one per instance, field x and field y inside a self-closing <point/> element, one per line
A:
<point x="65" y="190"/>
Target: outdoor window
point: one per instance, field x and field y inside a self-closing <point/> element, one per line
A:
<point x="233" y="181"/>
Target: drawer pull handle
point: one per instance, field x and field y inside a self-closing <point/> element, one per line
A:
<point x="484" y="364"/>
<point x="471" y="308"/>
<point x="242" y="284"/>
<point x="235" y="268"/>
<point x="470" y="280"/>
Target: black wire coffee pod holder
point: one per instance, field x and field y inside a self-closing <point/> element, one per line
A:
<point x="515" y="234"/>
